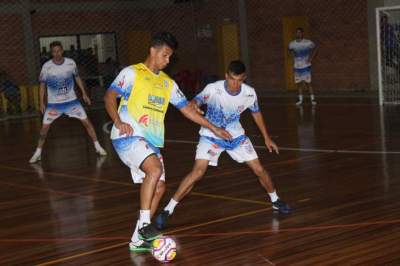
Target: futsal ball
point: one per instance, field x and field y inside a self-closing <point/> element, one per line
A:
<point x="164" y="249"/>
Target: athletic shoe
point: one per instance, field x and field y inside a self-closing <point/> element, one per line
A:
<point x="140" y="247"/>
<point x="148" y="233"/>
<point x="299" y="103"/>
<point x="281" y="206"/>
<point x="313" y="102"/>
<point x="101" y="151"/>
<point x="161" y="220"/>
<point x="36" y="157"/>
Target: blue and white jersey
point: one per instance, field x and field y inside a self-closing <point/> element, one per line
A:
<point x="59" y="80"/>
<point x="302" y="51"/>
<point x="224" y="109"/>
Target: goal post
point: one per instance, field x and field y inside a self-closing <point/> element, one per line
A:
<point x="388" y="51"/>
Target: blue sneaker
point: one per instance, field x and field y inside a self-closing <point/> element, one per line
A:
<point x="281" y="206"/>
<point x="161" y="220"/>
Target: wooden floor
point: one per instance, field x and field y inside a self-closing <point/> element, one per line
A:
<point x="339" y="168"/>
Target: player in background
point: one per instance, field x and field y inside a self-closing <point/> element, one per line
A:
<point x="138" y="131"/>
<point x="303" y="52"/>
<point x="226" y="100"/>
<point x="57" y="79"/>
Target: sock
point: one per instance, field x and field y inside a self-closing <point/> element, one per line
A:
<point x="171" y="206"/>
<point x="300" y="97"/>
<point x="97" y="145"/>
<point x="144" y="218"/>
<point x="274" y="197"/>
<point x="38" y="151"/>
<point x="135" y="236"/>
<point x="312" y="97"/>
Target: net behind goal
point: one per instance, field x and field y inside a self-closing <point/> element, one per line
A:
<point x="388" y="36"/>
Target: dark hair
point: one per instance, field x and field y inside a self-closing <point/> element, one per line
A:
<point x="55" y="43"/>
<point x="300" y="29"/>
<point x="236" y="67"/>
<point x="164" y="38"/>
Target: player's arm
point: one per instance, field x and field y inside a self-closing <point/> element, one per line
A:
<point x="313" y="53"/>
<point x="269" y="143"/>
<point x="42" y="92"/>
<point x="81" y="86"/>
<point x="110" y="100"/>
<point x="190" y="113"/>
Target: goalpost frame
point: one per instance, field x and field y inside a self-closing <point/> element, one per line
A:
<point x="378" y="47"/>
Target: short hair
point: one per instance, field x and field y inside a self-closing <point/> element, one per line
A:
<point x="236" y="67"/>
<point x="300" y="29"/>
<point x="164" y="38"/>
<point x="55" y="44"/>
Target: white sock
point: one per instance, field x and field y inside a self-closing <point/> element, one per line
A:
<point x="312" y="97"/>
<point x="38" y="151"/>
<point x="144" y="218"/>
<point x="300" y="97"/>
<point x="97" y="145"/>
<point x="274" y="197"/>
<point x="135" y="236"/>
<point x="171" y="206"/>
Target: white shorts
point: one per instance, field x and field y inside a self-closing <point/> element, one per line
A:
<point x="71" y="109"/>
<point x="133" y="151"/>
<point x="209" y="150"/>
<point x="301" y="75"/>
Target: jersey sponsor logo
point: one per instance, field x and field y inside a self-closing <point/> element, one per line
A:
<point x="250" y="95"/>
<point x="144" y="120"/>
<point x="212" y="153"/>
<point x="240" y="108"/>
<point x="121" y="83"/>
<point x="53" y="112"/>
<point x="156" y="101"/>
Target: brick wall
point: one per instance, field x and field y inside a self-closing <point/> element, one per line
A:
<point x="339" y="27"/>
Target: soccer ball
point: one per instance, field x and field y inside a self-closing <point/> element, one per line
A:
<point x="164" y="249"/>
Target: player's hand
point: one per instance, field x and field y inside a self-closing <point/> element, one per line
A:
<point x="86" y="99"/>
<point x="193" y="105"/>
<point x="222" y="133"/>
<point x="124" y="128"/>
<point x="271" y="146"/>
<point x="42" y="108"/>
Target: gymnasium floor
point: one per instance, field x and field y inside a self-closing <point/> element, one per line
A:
<point x="338" y="168"/>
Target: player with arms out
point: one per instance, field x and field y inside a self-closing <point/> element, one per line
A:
<point x="58" y="78"/>
<point x="303" y="52"/>
<point x="226" y="100"/>
<point x="138" y="131"/>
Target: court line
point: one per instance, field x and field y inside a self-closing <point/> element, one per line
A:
<point x="56" y="261"/>
<point x="295" y="229"/>
<point x="302" y="149"/>
<point x="43" y="189"/>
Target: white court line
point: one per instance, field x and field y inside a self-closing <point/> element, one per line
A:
<point x="106" y="130"/>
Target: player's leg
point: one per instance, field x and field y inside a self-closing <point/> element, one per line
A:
<point x="92" y="133"/>
<point x="153" y="171"/>
<point x="311" y="91"/>
<point x="266" y="182"/>
<point x="42" y="139"/>
<point x="50" y="115"/>
<point x="299" y="86"/>
<point x="186" y="185"/>
<point x="76" y="110"/>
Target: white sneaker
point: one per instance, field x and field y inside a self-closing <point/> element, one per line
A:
<point x="313" y="102"/>
<point x="36" y="157"/>
<point x="101" y="151"/>
<point x="299" y="103"/>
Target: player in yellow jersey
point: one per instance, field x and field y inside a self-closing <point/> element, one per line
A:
<point x="138" y="130"/>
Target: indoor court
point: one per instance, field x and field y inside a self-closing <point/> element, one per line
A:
<point x="338" y="166"/>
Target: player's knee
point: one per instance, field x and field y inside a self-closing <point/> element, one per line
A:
<point x="198" y="173"/>
<point x="161" y="187"/>
<point x="155" y="173"/>
<point x="259" y="171"/>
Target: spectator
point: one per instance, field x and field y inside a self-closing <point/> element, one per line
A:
<point x="11" y="92"/>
